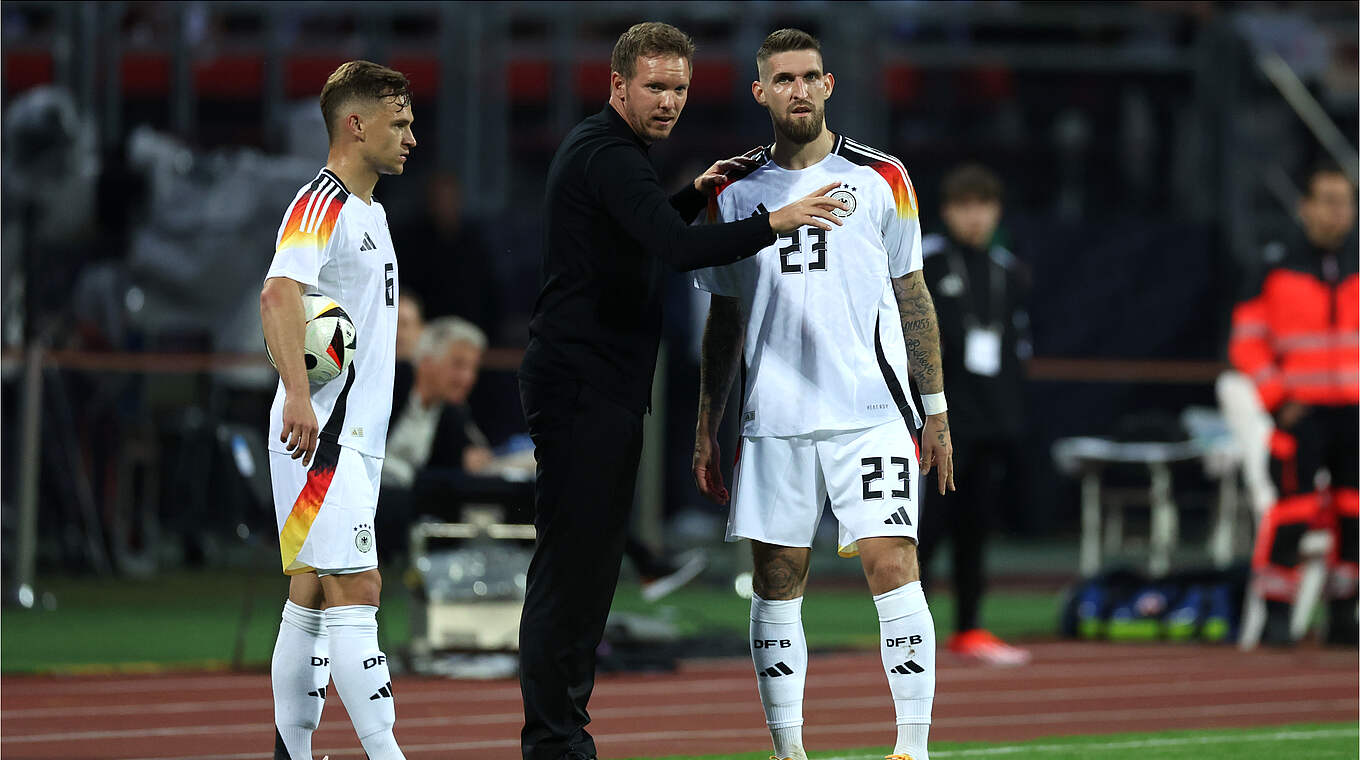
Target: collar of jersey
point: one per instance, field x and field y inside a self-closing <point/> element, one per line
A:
<point x="769" y="157"/>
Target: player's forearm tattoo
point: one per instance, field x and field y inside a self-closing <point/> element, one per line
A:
<point x="780" y="571"/>
<point x="724" y="336"/>
<point x="920" y="330"/>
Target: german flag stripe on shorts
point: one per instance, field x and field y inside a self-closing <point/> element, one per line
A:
<point x="319" y="477"/>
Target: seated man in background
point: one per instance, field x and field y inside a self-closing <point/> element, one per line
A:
<point x="437" y="457"/>
<point x="433" y="426"/>
<point x="1297" y="338"/>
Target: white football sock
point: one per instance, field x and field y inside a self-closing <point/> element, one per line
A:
<point x="779" y="651"/>
<point x="361" y="676"/>
<point x="299" y="672"/>
<point x="907" y="643"/>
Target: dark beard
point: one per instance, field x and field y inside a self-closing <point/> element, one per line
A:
<point x="801" y="132"/>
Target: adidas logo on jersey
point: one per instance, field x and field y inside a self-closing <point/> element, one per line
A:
<point x="898" y="518"/>
<point x="383" y="693"/>
<point x="908" y="667"/>
<point x="368" y="244"/>
<point x="776" y="670"/>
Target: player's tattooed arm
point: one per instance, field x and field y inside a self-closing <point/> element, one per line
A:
<point x="724" y="337"/>
<point x="921" y="332"/>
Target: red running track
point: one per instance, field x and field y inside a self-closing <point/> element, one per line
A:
<point x="707" y="707"/>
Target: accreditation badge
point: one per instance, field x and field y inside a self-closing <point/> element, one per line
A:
<point x="982" y="351"/>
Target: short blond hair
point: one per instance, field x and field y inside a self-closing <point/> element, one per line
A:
<point x="365" y="80"/>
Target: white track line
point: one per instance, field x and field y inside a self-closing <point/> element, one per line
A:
<point x="1241" y="684"/>
<point x="944" y="696"/>
<point x="1170" y="741"/>
<point x="1046" y="655"/>
<point x="1082" y="716"/>
<point x="761" y="734"/>
<point x="871" y="668"/>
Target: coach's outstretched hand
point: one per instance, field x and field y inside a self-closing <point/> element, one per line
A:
<point x="722" y="171"/>
<point x="938" y="450"/>
<point x="300" y="430"/>
<point x="814" y="209"/>
<point x="707" y="468"/>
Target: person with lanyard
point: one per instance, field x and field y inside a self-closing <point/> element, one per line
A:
<point x="980" y="292"/>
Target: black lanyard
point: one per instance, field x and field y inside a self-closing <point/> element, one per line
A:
<point x="998" y="289"/>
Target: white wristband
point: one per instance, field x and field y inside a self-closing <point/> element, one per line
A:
<point x="933" y="403"/>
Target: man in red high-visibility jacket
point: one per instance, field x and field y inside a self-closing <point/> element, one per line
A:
<point x="1299" y="341"/>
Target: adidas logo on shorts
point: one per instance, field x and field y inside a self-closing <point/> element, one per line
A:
<point x="898" y="518"/>
<point x="320" y="692"/>
<point x="908" y="667"/>
<point x="776" y="670"/>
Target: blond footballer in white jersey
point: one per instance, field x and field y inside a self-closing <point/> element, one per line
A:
<point x="326" y="443"/>
<point x="825" y="323"/>
<point x="332" y="242"/>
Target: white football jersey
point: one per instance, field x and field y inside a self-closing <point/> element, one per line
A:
<point x="334" y="243"/>
<point x="824" y="347"/>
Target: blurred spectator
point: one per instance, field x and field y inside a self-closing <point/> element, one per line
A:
<point x="452" y="255"/>
<point x="51" y="170"/>
<point x="1298" y="339"/>
<point x="980" y="293"/>
<point x="432" y="427"/>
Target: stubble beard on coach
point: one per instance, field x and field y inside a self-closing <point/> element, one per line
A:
<point x="801" y="131"/>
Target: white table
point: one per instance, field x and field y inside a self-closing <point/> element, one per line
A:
<point x="1089" y="456"/>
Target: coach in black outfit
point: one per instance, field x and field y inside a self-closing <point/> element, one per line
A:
<point x="586" y="377"/>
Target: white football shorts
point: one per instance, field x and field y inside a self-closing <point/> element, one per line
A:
<point x="325" y="511"/>
<point x="870" y="476"/>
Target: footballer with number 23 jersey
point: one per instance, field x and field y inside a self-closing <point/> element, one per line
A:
<point x="824" y="347"/>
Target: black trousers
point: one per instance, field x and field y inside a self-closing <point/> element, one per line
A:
<point x="587" y="448"/>
<point x="965" y="518"/>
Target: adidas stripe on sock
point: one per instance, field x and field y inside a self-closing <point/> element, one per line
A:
<point x="779" y="651"/>
<point x="361" y="677"/>
<point x="907" y="643"/>
<point x="299" y="671"/>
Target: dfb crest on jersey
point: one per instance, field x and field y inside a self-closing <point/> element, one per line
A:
<point x="844" y="194"/>
<point x="363" y="537"/>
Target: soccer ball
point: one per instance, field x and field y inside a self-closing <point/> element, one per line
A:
<point x="329" y="341"/>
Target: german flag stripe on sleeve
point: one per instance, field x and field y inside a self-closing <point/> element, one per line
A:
<point x="892" y="170"/>
<point x="312" y="218"/>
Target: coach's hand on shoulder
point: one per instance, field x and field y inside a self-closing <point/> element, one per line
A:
<point x="300" y="430"/>
<point x="708" y="469"/>
<point x="814" y="209"/>
<point x="720" y="172"/>
<point x="938" y="450"/>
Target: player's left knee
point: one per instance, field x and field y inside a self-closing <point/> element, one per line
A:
<point x="889" y="570"/>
